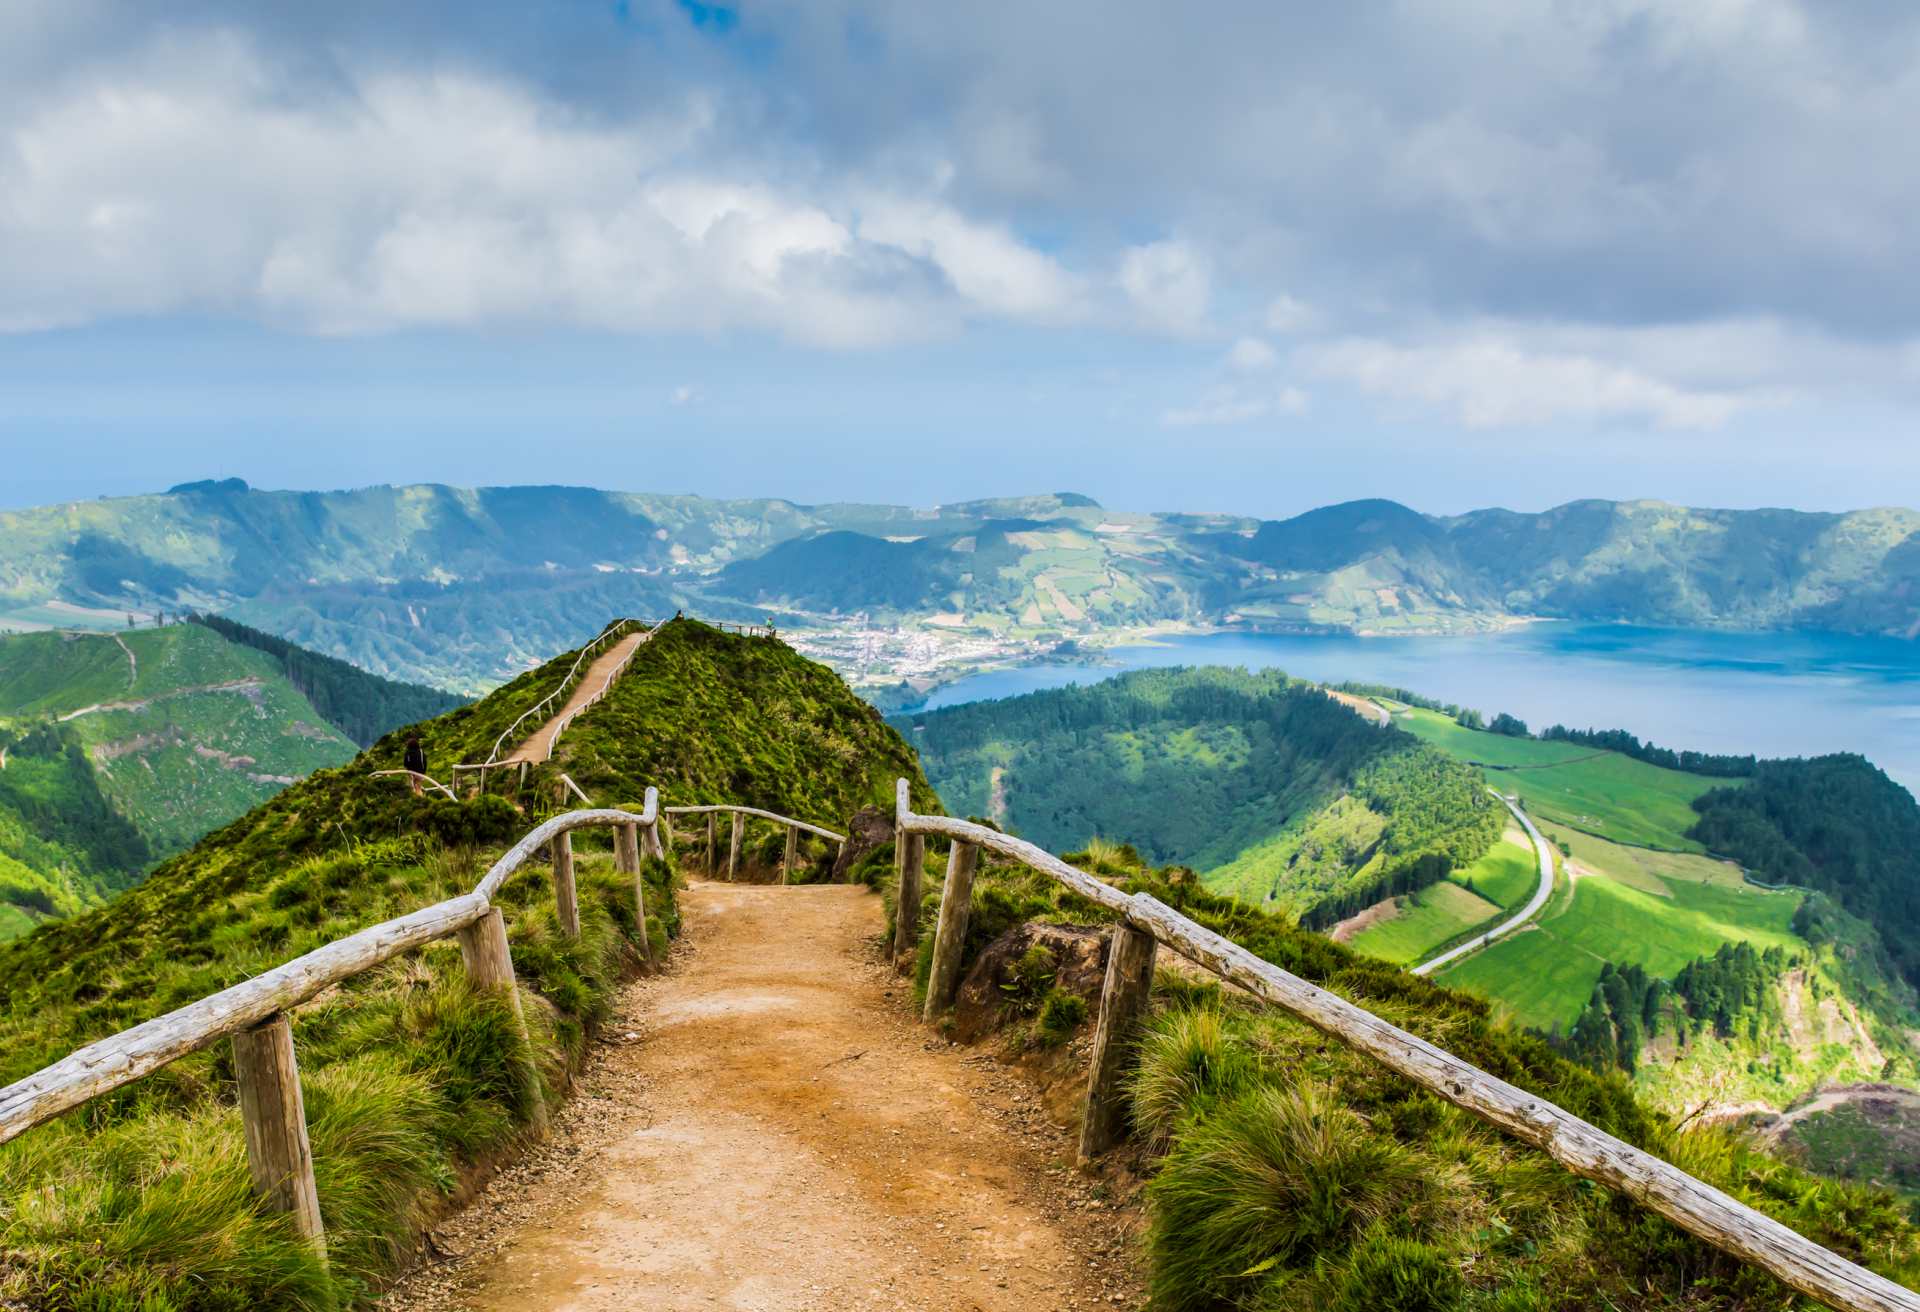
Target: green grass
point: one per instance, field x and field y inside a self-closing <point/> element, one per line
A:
<point x="1507" y="875"/>
<point x="1426" y="919"/>
<point x="1602" y="793"/>
<point x="1543" y="975"/>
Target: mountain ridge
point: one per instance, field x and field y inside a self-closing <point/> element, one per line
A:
<point x="465" y="587"/>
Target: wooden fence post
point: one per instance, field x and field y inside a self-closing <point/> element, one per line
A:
<point x="278" y="1155"/>
<point x="1123" y="1000"/>
<point x="713" y="843"/>
<point x="956" y="908"/>
<point x="626" y="849"/>
<point x="651" y="845"/>
<point x="786" y="858"/>
<point x="910" y="858"/>
<point x="483" y="947"/>
<point x="733" y="847"/>
<point x="566" y="897"/>
<point x="664" y="838"/>
<point x="839" y="855"/>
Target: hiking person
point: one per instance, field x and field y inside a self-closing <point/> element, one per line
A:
<point x="415" y="762"/>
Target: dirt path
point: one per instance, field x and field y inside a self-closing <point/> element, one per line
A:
<point x="771" y="1130"/>
<point x="607" y="665"/>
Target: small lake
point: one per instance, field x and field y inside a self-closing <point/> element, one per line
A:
<point x="1772" y="694"/>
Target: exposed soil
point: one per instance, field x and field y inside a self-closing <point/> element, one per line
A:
<point x="770" y="1128"/>
<point x="605" y="668"/>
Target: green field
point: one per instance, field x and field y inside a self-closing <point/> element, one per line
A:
<point x="1467" y="899"/>
<point x="1425" y="920"/>
<point x="1602" y="793"/>
<point x="1543" y="975"/>
<point x="1507" y="874"/>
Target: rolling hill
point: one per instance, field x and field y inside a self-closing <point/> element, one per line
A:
<point x="463" y="587"/>
<point x="121" y="749"/>
<point x="1275" y="792"/>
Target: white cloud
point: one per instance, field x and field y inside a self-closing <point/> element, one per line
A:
<point x="1285" y="314"/>
<point x="191" y="183"/>
<point x="1170" y="283"/>
<point x="1492" y="382"/>
<point x="1231" y="404"/>
<point x="685" y="394"/>
<point x="1250" y="355"/>
<point x="986" y="264"/>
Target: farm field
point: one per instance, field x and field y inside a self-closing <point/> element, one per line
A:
<point x="1544" y="975"/>
<point x="1503" y="878"/>
<point x="1602" y="793"/>
<point x="1425" y="920"/>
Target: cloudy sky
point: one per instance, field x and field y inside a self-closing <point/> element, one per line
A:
<point x="1248" y="256"/>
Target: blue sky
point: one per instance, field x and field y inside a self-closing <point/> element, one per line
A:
<point x="1512" y="253"/>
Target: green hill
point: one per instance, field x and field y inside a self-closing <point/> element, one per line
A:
<point x="141" y="1202"/>
<point x="463" y="587"/>
<point x="124" y="748"/>
<point x="1278" y="793"/>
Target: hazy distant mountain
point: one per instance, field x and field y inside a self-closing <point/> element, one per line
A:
<point x="462" y="587"/>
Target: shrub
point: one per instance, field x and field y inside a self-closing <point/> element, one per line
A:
<point x="1389" y="1273"/>
<point x="1061" y="1013"/>
<point x="1272" y="1177"/>
<point x="1186" y="1057"/>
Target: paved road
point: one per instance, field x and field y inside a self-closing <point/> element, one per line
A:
<point x="1526" y="913"/>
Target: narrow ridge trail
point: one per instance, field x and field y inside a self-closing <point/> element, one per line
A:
<point x="771" y="1129"/>
<point x="539" y="745"/>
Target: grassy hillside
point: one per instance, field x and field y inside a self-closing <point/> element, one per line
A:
<point x="141" y="1200"/>
<point x="1416" y="925"/>
<point x="177" y="730"/>
<point x="1277" y="792"/>
<point x="1286" y="1172"/>
<point x="1601" y="792"/>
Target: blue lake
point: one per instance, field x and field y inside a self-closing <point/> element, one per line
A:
<point x="1773" y="694"/>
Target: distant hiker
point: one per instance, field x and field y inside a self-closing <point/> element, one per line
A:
<point x="416" y="763"/>
<point x="680" y="614"/>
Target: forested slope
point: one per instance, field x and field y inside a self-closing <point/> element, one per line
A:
<point x="1282" y="794"/>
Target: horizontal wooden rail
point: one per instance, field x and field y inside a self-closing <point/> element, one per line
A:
<point x="788" y="821"/>
<point x="122" y="1058"/>
<point x="573" y="674"/>
<point x="1690" y="1203"/>
<point x="426" y="779"/>
<point x="574" y="788"/>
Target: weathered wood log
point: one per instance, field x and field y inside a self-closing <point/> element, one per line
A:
<point x="1585" y="1150"/>
<point x="489" y="962"/>
<point x="956" y="908"/>
<point x="755" y="811"/>
<point x="640" y="912"/>
<point x="279" y="1156"/>
<point x="733" y="844"/>
<point x="1123" y="1001"/>
<point x="911" y="856"/>
<point x="786" y="857"/>
<point x="123" y="1058"/>
<point x="666" y="834"/>
<point x="713" y="844"/>
<point x="566" y="896"/>
<point x="626" y="848"/>
<point x="651" y="848"/>
<point x="541" y="835"/>
<point x="840" y="858"/>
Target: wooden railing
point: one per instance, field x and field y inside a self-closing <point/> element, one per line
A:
<point x="254" y="1013"/>
<point x="425" y="779"/>
<point x="740" y="814"/>
<point x="1690" y="1203"/>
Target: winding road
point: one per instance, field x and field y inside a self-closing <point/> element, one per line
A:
<point x="1519" y="918"/>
